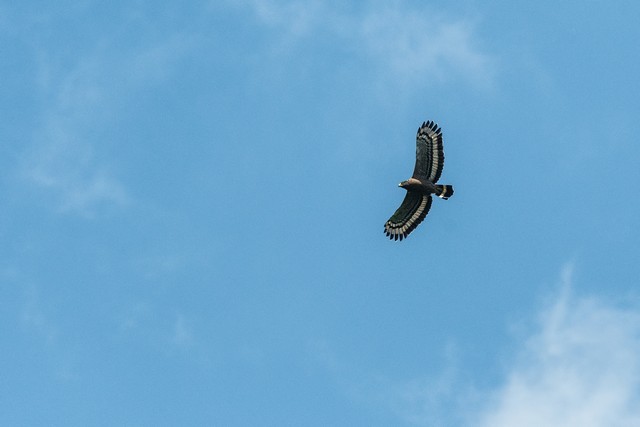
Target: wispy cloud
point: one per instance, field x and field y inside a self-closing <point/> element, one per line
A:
<point x="415" y="45"/>
<point x="80" y="96"/>
<point x="65" y="167"/>
<point x="581" y="368"/>
<point x="406" y="44"/>
<point x="296" y="18"/>
<point x="148" y="322"/>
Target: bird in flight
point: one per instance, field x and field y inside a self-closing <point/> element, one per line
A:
<point x="420" y="187"/>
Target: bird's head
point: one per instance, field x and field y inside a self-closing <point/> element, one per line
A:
<point x="408" y="183"/>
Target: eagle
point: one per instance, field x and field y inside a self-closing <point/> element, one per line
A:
<point x="420" y="187"/>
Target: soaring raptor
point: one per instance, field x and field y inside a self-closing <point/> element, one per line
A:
<point x="420" y="187"/>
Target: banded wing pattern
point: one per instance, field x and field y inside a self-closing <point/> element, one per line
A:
<point x="429" y="152"/>
<point x="412" y="211"/>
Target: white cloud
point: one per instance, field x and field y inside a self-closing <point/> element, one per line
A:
<point x="581" y="368"/>
<point x="416" y="46"/>
<point x="407" y="45"/>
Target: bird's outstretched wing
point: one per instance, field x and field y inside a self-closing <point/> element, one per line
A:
<point x="429" y="152"/>
<point x="411" y="212"/>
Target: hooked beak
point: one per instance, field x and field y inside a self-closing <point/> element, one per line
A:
<point x="400" y="185"/>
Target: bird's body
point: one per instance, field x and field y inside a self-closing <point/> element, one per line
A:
<point x="423" y="186"/>
<point x="420" y="187"/>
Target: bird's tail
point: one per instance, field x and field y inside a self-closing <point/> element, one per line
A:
<point x="444" y="191"/>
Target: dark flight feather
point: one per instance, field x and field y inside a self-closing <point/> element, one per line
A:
<point x="412" y="211"/>
<point x="429" y="152"/>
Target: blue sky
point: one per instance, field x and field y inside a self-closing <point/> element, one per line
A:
<point x="194" y="196"/>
